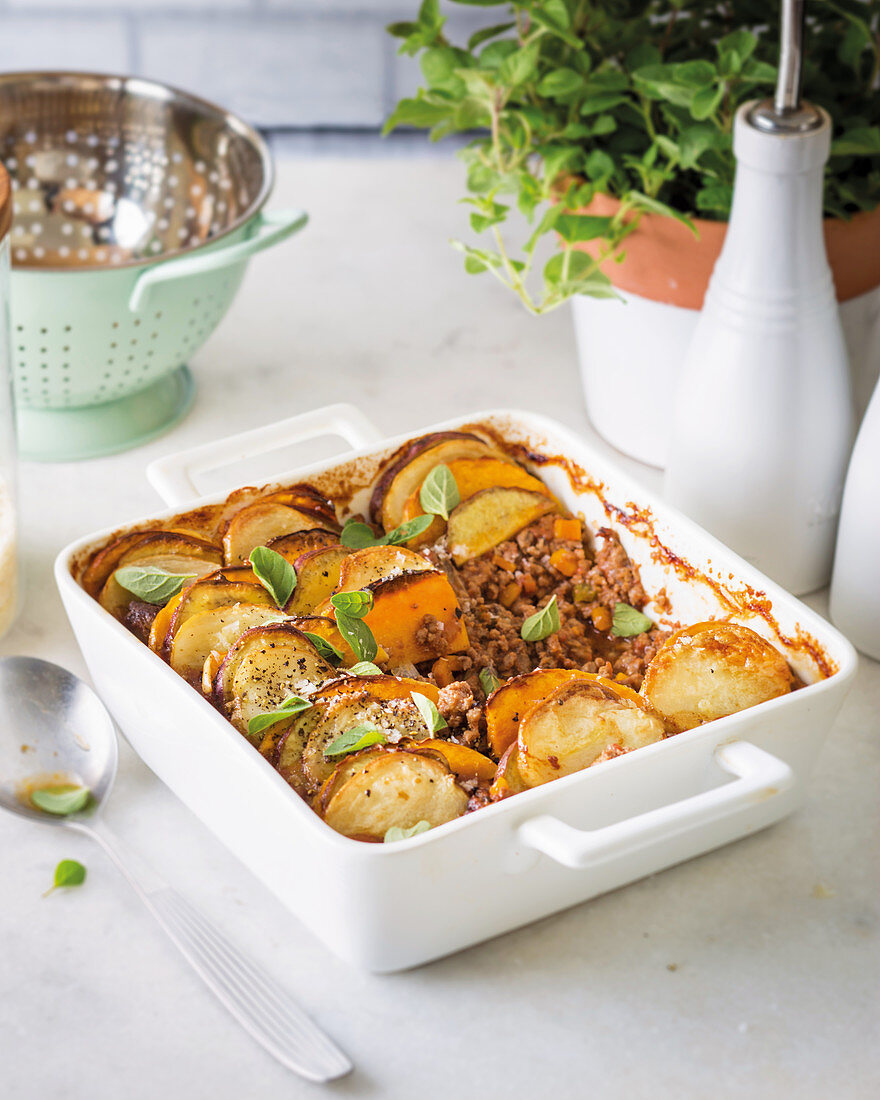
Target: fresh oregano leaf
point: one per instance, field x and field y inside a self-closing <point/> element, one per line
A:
<point x="489" y="681"/>
<point x="61" y="800"/>
<point x="152" y="585"/>
<point x="434" y="720"/>
<point x="358" y="636"/>
<point x="274" y="573"/>
<point x="69" y="872"/>
<point x="542" y="624"/>
<point x="439" y="492"/>
<point x="365" y="668"/>
<point x="326" y="649"/>
<point x="628" y="621"/>
<point x="356" y="535"/>
<point x="353" y="604"/>
<point x="397" y="833"/>
<point x="355" y="739"/>
<point x="293" y="704"/>
<point x="407" y="531"/>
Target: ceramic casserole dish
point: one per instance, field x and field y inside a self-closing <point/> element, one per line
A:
<point x="387" y="907"/>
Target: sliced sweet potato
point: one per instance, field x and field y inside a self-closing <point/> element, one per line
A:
<point x="264" y="667"/>
<point x="465" y="763"/>
<point x="395" y="788"/>
<point x="317" y="575"/>
<point x="409" y="474"/>
<point x="308" y="499"/>
<point x="578" y="723"/>
<point x="214" y="630"/>
<point x="134" y="547"/>
<point x="406" y="454"/>
<point x="115" y="599"/>
<point x="508" y="780"/>
<point x="293" y="546"/>
<point x="399" y="608"/>
<point x="383" y="687"/>
<point x="365" y="567"/>
<point x="258" y="523"/>
<point x="713" y="669"/>
<point x="506" y="706"/>
<point x="492" y="516"/>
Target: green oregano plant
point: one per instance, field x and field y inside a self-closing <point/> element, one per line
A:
<point x="634" y="99"/>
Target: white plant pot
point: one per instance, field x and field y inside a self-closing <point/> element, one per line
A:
<point x="630" y="353"/>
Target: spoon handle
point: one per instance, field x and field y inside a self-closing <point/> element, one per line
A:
<point x="258" y="1002"/>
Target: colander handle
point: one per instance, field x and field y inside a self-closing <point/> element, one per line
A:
<point x="172" y="476"/>
<point x="269" y="228"/>
<point x="760" y="779"/>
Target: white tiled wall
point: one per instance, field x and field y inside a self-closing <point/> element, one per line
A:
<point x="282" y="64"/>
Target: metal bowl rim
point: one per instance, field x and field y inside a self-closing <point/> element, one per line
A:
<point x="168" y="92"/>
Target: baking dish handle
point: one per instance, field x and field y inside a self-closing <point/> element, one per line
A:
<point x="759" y="776"/>
<point x="270" y="227"/>
<point x="172" y="476"/>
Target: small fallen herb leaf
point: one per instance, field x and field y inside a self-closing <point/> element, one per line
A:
<point x="355" y="739"/>
<point x="365" y="668"/>
<point x="358" y="636"/>
<point x="353" y="604"/>
<point x="542" y="624"/>
<point x="69" y="872"/>
<point x="408" y="530"/>
<point x="326" y="649"/>
<point x="628" y="621"/>
<point x="62" y="800"/>
<point x="397" y="833"/>
<point x="489" y="681"/>
<point x="274" y="573"/>
<point x="156" y="586"/>
<point x="293" y="704"/>
<point x="356" y="535"/>
<point x="434" y="720"/>
<point x="439" y="492"/>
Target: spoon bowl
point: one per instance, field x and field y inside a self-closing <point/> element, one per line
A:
<point x="55" y="730"/>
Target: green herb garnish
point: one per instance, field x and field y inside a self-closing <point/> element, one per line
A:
<point x="353" y="604"/>
<point x="358" y="636"/>
<point x="489" y="681"/>
<point x="397" y="833"/>
<point x="408" y="530"/>
<point x="357" y="535"/>
<point x="293" y="704"/>
<point x="434" y="720"/>
<point x="355" y="739"/>
<point x="628" y="621"/>
<point x="366" y="668"/>
<point x="542" y="624"/>
<point x="439" y="492"/>
<point x="274" y="573"/>
<point x="69" y="872"/>
<point x="326" y="649"/>
<point x="152" y="585"/>
<point x="61" y="800"/>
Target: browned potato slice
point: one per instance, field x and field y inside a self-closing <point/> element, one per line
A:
<point x="211" y="593"/>
<point x="293" y="546"/>
<point x="490" y="517"/>
<point x="214" y="630"/>
<point x="399" y="788"/>
<point x="264" y="667"/>
<point x="710" y="670"/>
<point x="135" y="547"/>
<point x="259" y="523"/>
<point x="317" y="575"/>
<point x="379" y="563"/>
<point x="115" y="599"/>
<point x="344" y="770"/>
<point x="576" y="724"/>
<point x="307" y="499"/>
<point x="508" y="779"/>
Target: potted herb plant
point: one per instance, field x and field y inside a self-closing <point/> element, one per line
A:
<point x="607" y="124"/>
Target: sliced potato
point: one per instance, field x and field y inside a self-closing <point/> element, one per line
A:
<point x="508" y="779"/>
<point x="506" y="705"/>
<point x="713" y="669"/>
<point x="383" y="687"/>
<point x="466" y="763"/>
<point x="297" y="543"/>
<point x="214" y="630"/>
<point x="398" y="787"/>
<point x="259" y="523"/>
<point x="264" y="667"/>
<point x="366" y="567"/>
<point x="576" y="724"/>
<point x="491" y="517"/>
<point x="317" y="575"/>
<point x="399" y="608"/>
<point x="404" y="476"/>
<point x="308" y="499"/>
<point x="135" y="547"/>
<point x="115" y="599"/>
<point x="345" y="769"/>
<point x="209" y="594"/>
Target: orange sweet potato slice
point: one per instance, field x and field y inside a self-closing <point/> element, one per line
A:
<point x="465" y="762"/>
<point x="399" y="607"/>
<point x="507" y="705"/>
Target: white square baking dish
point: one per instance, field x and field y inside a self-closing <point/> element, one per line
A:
<point x="388" y="907"/>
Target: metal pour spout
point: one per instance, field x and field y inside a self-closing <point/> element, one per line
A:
<point x="785" y="113"/>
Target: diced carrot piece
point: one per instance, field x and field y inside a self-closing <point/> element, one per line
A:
<point x="510" y="594"/>
<point x="564" y="561"/>
<point x="569" y="529"/>
<point x="601" y="617"/>
<point x="442" y="672"/>
<point x="528" y="585"/>
<point x="503" y="563"/>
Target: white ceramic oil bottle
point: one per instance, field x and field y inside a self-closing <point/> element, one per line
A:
<point x="763" y="421"/>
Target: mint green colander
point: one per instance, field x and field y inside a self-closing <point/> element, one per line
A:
<point x="136" y="209"/>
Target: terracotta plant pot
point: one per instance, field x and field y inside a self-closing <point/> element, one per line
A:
<point x="630" y="353"/>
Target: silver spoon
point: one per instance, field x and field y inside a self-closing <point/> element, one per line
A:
<point x="70" y="738"/>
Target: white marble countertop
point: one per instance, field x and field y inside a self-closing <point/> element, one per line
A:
<point x="752" y="971"/>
